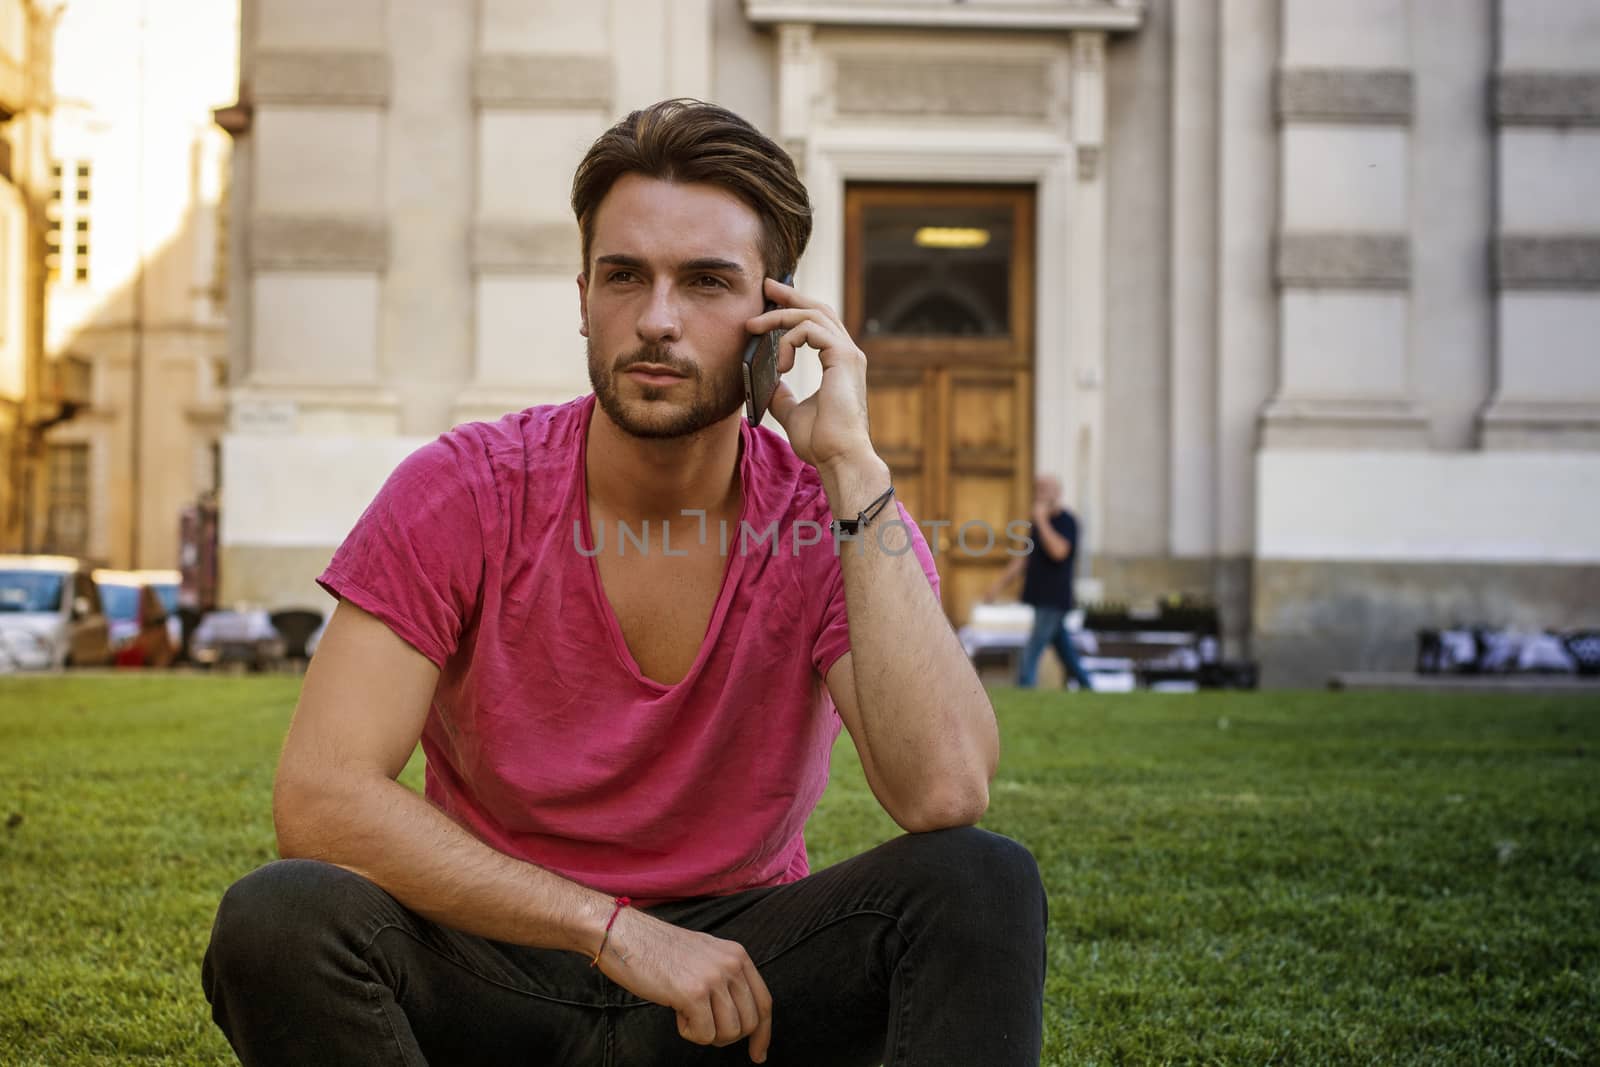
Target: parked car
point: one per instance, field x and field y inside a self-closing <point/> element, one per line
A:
<point x="245" y="636"/>
<point x="50" y="614"/>
<point x="142" y="609"/>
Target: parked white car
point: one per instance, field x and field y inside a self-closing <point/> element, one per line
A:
<point x="50" y="614"/>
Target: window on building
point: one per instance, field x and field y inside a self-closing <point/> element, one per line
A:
<point x="68" y="229"/>
<point x="52" y="233"/>
<point x="67" y="517"/>
<point x="937" y="269"/>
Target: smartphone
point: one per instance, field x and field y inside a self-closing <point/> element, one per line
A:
<point x="761" y="368"/>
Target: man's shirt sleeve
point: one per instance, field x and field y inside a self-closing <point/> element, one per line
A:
<point x="415" y="557"/>
<point x="833" y="639"/>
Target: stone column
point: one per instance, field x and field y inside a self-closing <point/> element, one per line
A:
<point x="1086" y="271"/>
<point x="1546" y="104"/>
<point x="1192" y="457"/>
<point x="796" y="70"/>
<point x="1342" y="262"/>
<point x="318" y="233"/>
<point x="428" y="179"/>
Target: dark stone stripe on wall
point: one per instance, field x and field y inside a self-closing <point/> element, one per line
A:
<point x="525" y="246"/>
<point x="358" y="79"/>
<point x="307" y="242"/>
<point x="528" y="80"/>
<point x="1548" y="262"/>
<point x="1547" y="98"/>
<point x="1344" y="260"/>
<point x="1341" y="94"/>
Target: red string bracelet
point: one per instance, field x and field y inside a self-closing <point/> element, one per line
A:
<point x="620" y="902"/>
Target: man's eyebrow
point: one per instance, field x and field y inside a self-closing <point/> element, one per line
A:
<point x="704" y="263"/>
<point x="713" y="263"/>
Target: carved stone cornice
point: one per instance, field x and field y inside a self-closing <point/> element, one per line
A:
<point x="308" y="76"/>
<point x="1343" y="260"/>
<point x="1547" y="98"/>
<point x="1342" y="422"/>
<point x="1540" y="425"/>
<point x="532" y="80"/>
<point x="1547" y="261"/>
<point x="1111" y="15"/>
<point x="883" y="85"/>
<point x="1344" y="94"/>
<point x="318" y="243"/>
<point x="525" y="247"/>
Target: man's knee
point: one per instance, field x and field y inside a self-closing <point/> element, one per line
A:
<point x="275" y="914"/>
<point x="975" y="866"/>
<point x="975" y="894"/>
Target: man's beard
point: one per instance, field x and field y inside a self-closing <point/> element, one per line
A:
<point x="706" y="404"/>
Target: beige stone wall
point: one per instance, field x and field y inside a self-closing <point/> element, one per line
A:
<point x="275" y="577"/>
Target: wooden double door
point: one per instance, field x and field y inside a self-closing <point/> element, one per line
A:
<point x="939" y="293"/>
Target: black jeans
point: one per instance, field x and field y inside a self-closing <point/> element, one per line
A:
<point x="928" y="949"/>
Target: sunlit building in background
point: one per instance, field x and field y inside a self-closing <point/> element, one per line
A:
<point x="29" y="388"/>
<point x="1300" y="299"/>
<point x="136" y="273"/>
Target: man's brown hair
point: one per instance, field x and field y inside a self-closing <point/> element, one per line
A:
<point x="693" y="141"/>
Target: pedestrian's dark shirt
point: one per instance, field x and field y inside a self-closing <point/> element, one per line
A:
<point x="1048" y="584"/>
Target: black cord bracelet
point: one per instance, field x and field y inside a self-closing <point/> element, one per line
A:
<point x="851" y="527"/>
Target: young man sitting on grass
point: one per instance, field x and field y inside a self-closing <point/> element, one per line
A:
<point x="624" y="740"/>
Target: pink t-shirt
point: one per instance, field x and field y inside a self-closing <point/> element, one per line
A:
<point x="544" y="739"/>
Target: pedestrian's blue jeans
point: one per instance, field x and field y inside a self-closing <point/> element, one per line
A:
<point x="1049" y="629"/>
<point x="928" y="949"/>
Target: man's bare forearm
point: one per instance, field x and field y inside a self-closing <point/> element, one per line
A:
<point x="396" y="839"/>
<point x="929" y="725"/>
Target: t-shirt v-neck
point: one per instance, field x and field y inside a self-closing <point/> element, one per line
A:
<point x="730" y="571"/>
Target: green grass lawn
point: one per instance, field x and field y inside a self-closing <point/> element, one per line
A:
<point x="1239" y="878"/>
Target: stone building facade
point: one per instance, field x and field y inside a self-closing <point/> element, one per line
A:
<point x="1299" y="299"/>
<point x="136" y="278"/>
